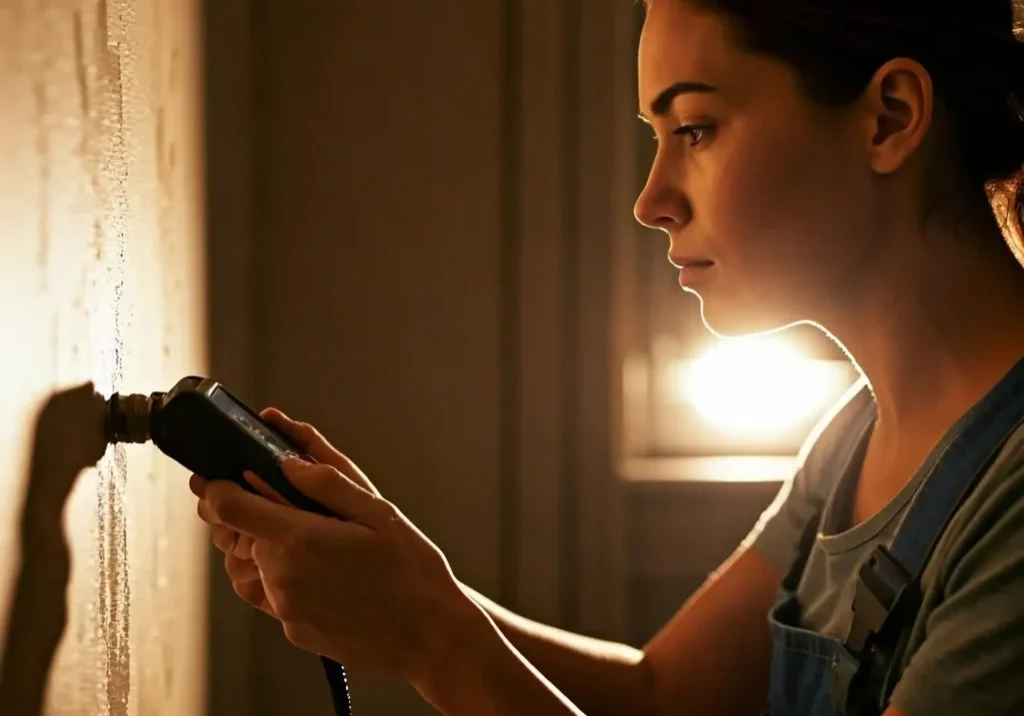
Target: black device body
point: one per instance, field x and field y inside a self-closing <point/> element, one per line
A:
<point x="201" y="425"/>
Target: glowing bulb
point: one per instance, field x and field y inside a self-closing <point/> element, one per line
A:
<point x="758" y="385"/>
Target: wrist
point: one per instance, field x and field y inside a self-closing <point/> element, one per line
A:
<point x="459" y="642"/>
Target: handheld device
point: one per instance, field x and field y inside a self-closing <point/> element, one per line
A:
<point x="205" y="428"/>
<point x="202" y="426"/>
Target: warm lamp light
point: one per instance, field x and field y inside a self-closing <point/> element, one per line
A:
<point x="757" y="385"/>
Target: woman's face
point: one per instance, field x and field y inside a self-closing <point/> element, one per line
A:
<point x="773" y="189"/>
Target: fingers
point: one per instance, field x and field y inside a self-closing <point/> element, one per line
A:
<point x="228" y="504"/>
<point x="253" y="593"/>
<point x="304" y="434"/>
<point x="317" y="446"/>
<point x="231" y="542"/>
<point x="224" y="538"/>
<point x="246" y="581"/>
<point x="338" y="493"/>
<point x="206" y="514"/>
<point x="263" y="488"/>
<point x="241" y="570"/>
<point x="243" y="547"/>
<point x="197" y="485"/>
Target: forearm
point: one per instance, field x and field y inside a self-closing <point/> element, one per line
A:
<point x="485" y="674"/>
<point x="598" y="676"/>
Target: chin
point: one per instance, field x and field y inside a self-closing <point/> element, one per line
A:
<point x="727" y="320"/>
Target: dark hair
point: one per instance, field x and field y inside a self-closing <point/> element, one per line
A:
<point x="970" y="51"/>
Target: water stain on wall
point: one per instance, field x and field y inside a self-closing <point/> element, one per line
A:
<point x="114" y="593"/>
<point x="114" y="598"/>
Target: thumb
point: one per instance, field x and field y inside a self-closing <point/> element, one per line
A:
<point x="317" y="446"/>
<point x="339" y="494"/>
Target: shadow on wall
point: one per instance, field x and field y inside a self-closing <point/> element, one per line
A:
<point x="69" y="437"/>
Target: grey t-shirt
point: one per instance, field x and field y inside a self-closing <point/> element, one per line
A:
<point x="966" y="649"/>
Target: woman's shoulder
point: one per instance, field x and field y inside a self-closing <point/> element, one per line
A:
<point x="836" y="433"/>
<point x="992" y="515"/>
<point x="819" y="467"/>
<point x="968" y="631"/>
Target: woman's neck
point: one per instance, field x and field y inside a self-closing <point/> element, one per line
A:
<point x="938" y="329"/>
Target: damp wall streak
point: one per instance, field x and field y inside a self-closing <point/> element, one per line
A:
<point x="102" y="279"/>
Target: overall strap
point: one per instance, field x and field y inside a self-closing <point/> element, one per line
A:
<point x="888" y="595"/>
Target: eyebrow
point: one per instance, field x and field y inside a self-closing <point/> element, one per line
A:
<point x="663" y="102"/>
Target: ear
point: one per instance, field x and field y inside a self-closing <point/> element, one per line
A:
<point x="900" y="105"/>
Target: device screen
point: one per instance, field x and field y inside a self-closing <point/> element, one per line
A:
<point x="241" y="416"/>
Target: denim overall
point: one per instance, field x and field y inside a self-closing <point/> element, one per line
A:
<point x="817" y="675"/>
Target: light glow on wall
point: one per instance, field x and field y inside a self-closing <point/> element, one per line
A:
<point x="759" y="385"/>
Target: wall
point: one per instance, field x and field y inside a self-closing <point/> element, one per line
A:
<point x="677" y="534"/>
<point x="101" y="278"/>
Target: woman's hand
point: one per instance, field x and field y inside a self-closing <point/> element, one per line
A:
<point x="368" y="589"/>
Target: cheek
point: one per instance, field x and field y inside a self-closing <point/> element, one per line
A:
<point x="779" y="214"/>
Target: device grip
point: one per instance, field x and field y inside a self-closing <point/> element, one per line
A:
<point x="274" y="477"/>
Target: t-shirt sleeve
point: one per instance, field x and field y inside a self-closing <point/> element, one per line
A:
<point x="972" y="658"/>
<point x="777" y="533"/>
<point x="776" y="536"/>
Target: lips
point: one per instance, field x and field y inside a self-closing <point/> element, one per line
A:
<point x="681" y="262"/>
<point x="691" y="269"/>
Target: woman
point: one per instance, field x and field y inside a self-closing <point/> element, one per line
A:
<point x="817" y="162"/>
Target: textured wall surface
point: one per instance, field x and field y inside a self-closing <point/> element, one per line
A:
<point x="101" y="278"/>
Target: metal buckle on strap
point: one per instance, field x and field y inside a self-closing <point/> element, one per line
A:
<point x="882" y="584"/>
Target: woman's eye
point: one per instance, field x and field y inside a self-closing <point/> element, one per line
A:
<point x="696" y="132"/>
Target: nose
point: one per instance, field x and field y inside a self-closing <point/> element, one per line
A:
<point x="662" y="204"/>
